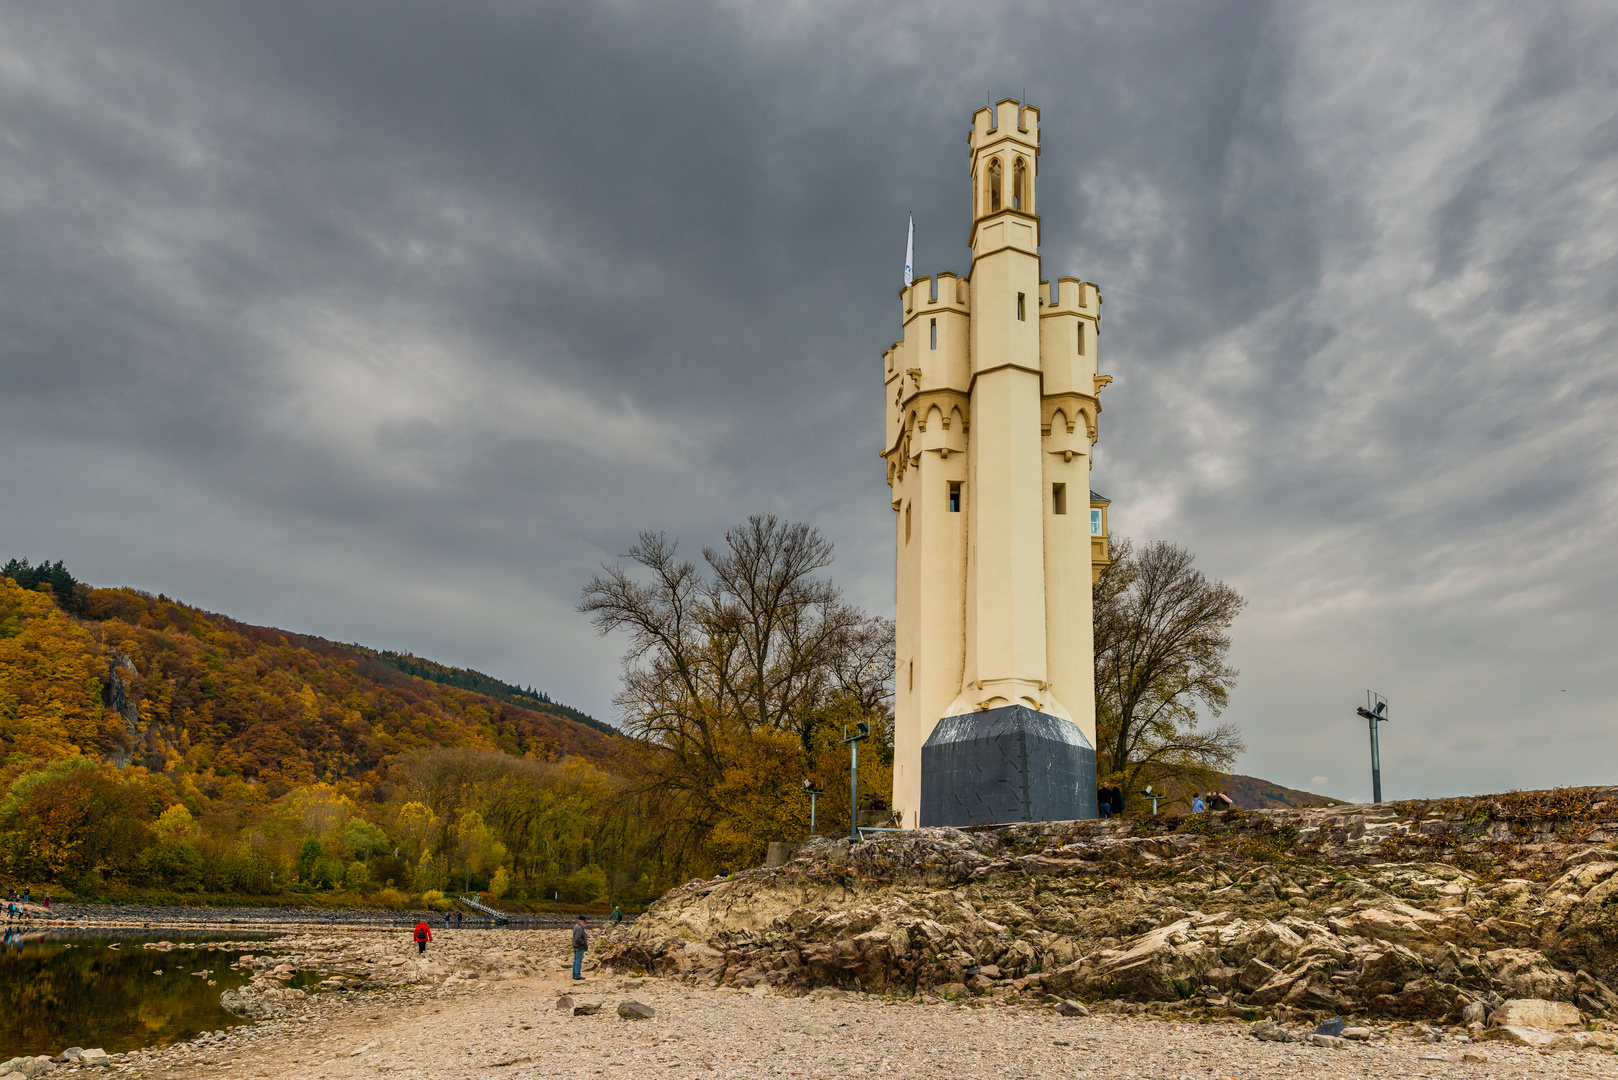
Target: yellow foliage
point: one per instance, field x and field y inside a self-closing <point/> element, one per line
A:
<point x="175" y="823"/>
<point x="50" y="680"/>
<point x="499" y="883"/>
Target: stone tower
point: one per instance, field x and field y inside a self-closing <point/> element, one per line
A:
<point x="991" y="414"/>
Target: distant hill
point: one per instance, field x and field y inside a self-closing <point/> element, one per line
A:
<point x="1251" y="793"/>
<point x="125" y="677"/>
<point x="488" y="685"/>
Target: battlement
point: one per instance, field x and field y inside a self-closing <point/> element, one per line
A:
<point x="953" y="294"/>
<point x="1072" y="297"/>
<point x="1009" y="118"/>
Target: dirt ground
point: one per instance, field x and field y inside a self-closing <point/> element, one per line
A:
<point x="509" y="1029"/>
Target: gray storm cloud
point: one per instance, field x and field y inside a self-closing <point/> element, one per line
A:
<point x="389" y="322"/>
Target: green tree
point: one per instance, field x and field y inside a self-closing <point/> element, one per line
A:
<point x="309" y="858"/>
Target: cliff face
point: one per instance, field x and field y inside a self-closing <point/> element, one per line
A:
<point x="1412" y="910"/>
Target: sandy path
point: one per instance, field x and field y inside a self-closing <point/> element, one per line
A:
<point x="511" y="1030"/>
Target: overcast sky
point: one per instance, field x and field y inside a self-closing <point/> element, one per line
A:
<point x="388" y="322"/>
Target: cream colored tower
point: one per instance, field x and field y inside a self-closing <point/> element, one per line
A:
<point x="992" y="405"/>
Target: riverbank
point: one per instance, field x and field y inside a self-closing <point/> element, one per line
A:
<point x="487" y="1000"/>
<point x="267" y="919"/>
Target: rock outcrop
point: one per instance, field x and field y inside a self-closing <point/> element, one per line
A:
<point x="1411" y="910"/>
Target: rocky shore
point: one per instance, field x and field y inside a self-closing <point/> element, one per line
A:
<point x="1436" y="911"/>
<point x="454" y="1025"/>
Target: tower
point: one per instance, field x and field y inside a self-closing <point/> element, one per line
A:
<point x="991" y="415"/>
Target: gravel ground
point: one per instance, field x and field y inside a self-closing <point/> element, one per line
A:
<point x="510" y="1029"/>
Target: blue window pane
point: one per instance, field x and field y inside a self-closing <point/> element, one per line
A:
<point x="1095" y="522"/>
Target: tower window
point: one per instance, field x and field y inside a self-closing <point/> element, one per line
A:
<point x="1020" y="304"/>
<point x="1019" y="186"/>
<point x="1058" y="498"/>
<point x="907" y="523"/>
<point x="955" y="497"/>
<point x="912" y="666"/>
<point x="994" y="185"/>
<point x="1095" y="522"/>
<point x="1079" y="325"/>
<point x="934" y="329"/>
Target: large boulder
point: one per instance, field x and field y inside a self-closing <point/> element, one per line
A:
<point x="1535" y="1013"/>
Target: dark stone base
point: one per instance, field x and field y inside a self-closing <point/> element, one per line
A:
<point x="1006" y="764"/>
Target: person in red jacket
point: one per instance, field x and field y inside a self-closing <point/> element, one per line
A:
<point x="424" y="934"/>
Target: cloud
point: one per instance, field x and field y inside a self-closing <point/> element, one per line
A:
<point x="391" y="322"/>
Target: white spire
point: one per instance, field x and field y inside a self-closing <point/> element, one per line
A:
<point x="910" y="251"/>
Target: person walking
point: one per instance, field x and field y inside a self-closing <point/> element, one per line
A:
<point x="457" y="920"/>
<point x="617" y="915"/>
<point x="1118" y="801"/>
<point x="580" y="942"/>
<point x="446" y="920"/>
<point x="424" y="934"/>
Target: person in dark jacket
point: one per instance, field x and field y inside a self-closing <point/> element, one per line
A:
<point x="424" y="934"/>
<point x="1104" y="802"/>
<point x="1118" y="802"/>
<point x="580" y="943"/>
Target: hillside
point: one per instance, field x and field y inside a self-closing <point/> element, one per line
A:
<point x="1251" y="793"/>
<point x="128" y="678"/>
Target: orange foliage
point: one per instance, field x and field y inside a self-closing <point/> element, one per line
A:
<point x="211" y="694"/>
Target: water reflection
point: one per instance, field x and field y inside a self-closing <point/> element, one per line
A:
<point x="65" y="987"/>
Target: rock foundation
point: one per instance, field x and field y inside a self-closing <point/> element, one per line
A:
<point x="1414" y="910"/>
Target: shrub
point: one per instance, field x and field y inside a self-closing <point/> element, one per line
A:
<point x="391" y="898"/>
<point x="357" y="876"/>
<point x="584" y="884"/>
<point x="329" y="872"/>
<point x="434" y="900"/>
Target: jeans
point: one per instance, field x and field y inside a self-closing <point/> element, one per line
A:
<point x="578" y="962"/>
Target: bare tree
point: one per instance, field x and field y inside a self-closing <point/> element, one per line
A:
<point x="760" y="643"/>
<point x="1161" y="642"/>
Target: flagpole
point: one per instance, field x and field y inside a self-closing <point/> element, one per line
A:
<point x="910" y="252"/>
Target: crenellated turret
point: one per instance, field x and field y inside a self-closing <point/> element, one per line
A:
<point x="991" y="412"/>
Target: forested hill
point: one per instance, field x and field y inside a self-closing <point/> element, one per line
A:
<point x="120" y="676"/>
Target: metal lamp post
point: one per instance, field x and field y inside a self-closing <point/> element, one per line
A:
<point x="862" y="730"/>
<point x="813" y="790"/>
<point x="1375" y="710"/>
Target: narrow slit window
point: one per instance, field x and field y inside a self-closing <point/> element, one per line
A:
<point x="912" y="666"/>
<point x="1020" y="305"/>
<point x="1079" y="325"/>
<point x="1019" y="182"/>
<point x="955" y="497"/>
<point x="907" y="524"/>
<point x="932" y="290"/>
<point x="934" y="330"/>
<point x="1058" y="498"/>
<point x="994" y="185"/>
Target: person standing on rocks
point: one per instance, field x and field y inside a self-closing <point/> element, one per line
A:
<point x="617" y="915"/>
<point x="1104" y="801"/>
<point x="424" y="934"/>
<point x="1197" y="805"/>
<point x="580" y="942"/>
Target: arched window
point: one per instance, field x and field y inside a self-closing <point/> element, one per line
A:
<point x="1019" y="186"/>
<point x="994" y="185"/>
